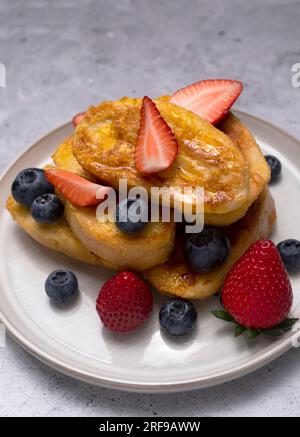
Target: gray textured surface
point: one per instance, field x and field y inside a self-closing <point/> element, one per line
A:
<point x="62" y="56"/>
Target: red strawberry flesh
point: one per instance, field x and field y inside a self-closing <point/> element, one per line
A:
<point x="257" y="291"/>
<point x="76" y="189"/>
<point x="77" y="118"/>
<point x="210" y="99"/>
<point x="124" y="302"/>
<point x="156" y="147"/>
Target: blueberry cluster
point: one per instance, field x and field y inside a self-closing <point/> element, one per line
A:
<point x="32" y="189"/>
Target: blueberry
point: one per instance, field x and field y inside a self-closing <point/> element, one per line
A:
<point x="206" y="250"/>
<point x="29" y="184"/>
<point x="178" y="317"/>
<point x="275" y="166"/>
<point x="131" y="215"/>
<point x="47" y="209"/>
<point x="289" y="251"/>
<point x="61" y="286"/>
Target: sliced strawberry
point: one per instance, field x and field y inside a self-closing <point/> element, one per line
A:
<point x="76" y="189"/>
<point x="156" y="147"/>
<point x="210" y="99"/>
<point x="77" y="118"/>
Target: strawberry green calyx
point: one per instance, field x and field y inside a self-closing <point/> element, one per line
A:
<point x="275" y="331"/>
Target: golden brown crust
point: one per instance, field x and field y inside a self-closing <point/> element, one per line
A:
<point x="64" y="159"/>
<point x="105" y="140"/>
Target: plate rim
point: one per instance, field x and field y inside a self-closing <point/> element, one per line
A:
<point x="121" y="384"/>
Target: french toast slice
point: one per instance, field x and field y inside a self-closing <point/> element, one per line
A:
<point x="148" y="248"/>
<point x="57" y="236"/>
<point x="104" y="238"/>
<point x="104" y="145"/>
<point x="176" y="277"/>
<point x="232" y="176"/>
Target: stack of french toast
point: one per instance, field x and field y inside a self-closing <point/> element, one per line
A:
<point x="218" y="154"/>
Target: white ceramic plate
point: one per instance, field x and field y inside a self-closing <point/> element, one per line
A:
<point x="73" y="341"/>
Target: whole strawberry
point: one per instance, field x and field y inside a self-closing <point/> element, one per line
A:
<point x="124" y="302"/>
<point x="257" y="292"/>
